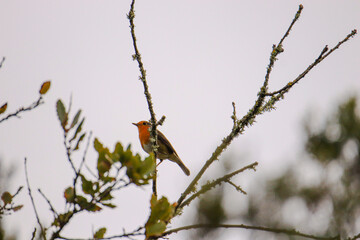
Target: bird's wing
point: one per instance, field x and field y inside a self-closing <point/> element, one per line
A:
<point x="167" y="148"/>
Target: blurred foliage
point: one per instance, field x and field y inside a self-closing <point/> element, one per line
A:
<point x="211" y="209"/>
<point x="319" y="194"/>
<point x="5" y="179"/>
<point x="161" y="213"/>
<point x="334" y="194"/>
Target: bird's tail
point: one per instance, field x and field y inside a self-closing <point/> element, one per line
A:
<point x="175" y="158"/>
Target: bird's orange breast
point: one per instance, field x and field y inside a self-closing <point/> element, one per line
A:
<point x="144" y="136"/>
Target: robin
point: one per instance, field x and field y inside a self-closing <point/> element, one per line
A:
<point x="165" y="150"/>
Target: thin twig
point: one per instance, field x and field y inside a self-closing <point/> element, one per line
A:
<point x="277" y="49"/>
<point x="292" y="232"/>
<point x="49" y="203"/>
<point x="137" y="57"/>
<point x="233" y="117"/>
<point x="321" y="57"/>
<point x="218" y="181"/>
<point x="238" y="188"/>
<point x="124" y="235"/>
<point x="83" y="159"/>
<point x="245" y="121"/>
<point x="32" y="200"/>
<point x="161" y="121"/>
<point x="33" y="234"/>
<point x="258" y="108"/>
<point x="23" y="109"/>
<point x="297" y="15"/>
<point x="90" y="171"/>
<point x="68" y="152"/>
<point x="2" y="61"/>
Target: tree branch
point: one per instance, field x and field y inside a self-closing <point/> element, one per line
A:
<point x="124" y="235"/>
<point x="321" y="57"/>
<point x="49" y="203"/>
<point x="22" y="109"/>
<point x="218" y="181"/>
<point x="260" y="105"/>
<point x="2" y="61"/>
<point x="32" y="200"/>
<point x="137" y="57"/>
<point x="291" y="232"/>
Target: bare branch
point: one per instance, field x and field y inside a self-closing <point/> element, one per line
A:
<point x="277" y="49"/>
<point x="33" y="234"/>
<point x="233" y="117"/>
<point x="49" y="203"/>
<point x="32" y="200"/>
<point x="259" y="107"/>
<point x="136" y="232"/>
<point x="2" y="61"/>
<point x="23" y="109"/>
<point x="83" y="160"/>
<point x="238" y="188"/>
<point x="161" y="121"/>
<point x="292" y="232"/>
<point x="321" y="57"/>
<point x="218" y="181"/>
<point x="137" y="57"/>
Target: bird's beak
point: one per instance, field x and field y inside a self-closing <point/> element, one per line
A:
<point x="134" y="124"/>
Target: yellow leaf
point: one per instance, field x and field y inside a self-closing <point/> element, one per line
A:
<point x="45" y="87"/>
<point x="3" y="108"/>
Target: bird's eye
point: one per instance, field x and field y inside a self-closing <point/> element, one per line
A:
<point x="144" y="123"/>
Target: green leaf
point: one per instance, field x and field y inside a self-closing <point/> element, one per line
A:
<point x="87" y="186"/>
<point x="94" y="208"/>
<point x="78" y="130"/>
<point x="45" y="87"/>
<point x="17" y="208"/>
<point x="140" y="172"/>
<point x="79" y="141"/>
<point x="76" y="119"/>
<point x="110" y="205"/>
<point x="161" y="214"/>
<point x="98" y="145"/>
<point x="3" y="108"/>
<point x="62" y="114"/>
<point x="69" y="194"/>
<point x="155" y="229"/>
<point x="62" y="218"/>
<point x="100" y="233"/>
<point x="6" y="197"/>
<point x="118" y="151"/>
<point x="82" y="202"/>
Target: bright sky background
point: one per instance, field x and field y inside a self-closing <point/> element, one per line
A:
<point x="199" y="56"/>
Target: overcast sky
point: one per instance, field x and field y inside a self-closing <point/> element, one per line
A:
<point x="199" y="56"/>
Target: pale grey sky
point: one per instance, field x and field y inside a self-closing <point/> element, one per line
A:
<point x="199" y="56"/>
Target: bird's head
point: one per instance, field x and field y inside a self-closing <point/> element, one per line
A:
<point x="142" y="125"/>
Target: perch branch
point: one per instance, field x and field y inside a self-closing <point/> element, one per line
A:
<point x="137" y="57"/>
<point x="291" y="232"/>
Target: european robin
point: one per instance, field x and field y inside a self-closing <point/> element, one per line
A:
<point x="165" y="150"/>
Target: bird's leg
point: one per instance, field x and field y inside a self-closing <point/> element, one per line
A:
<point x="159" y="162"/>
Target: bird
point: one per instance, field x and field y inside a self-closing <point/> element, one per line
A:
<point x="165" y="149"/>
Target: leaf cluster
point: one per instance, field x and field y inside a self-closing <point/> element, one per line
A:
<point x="7" y="206"/>
<point x="161" y="213"/>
